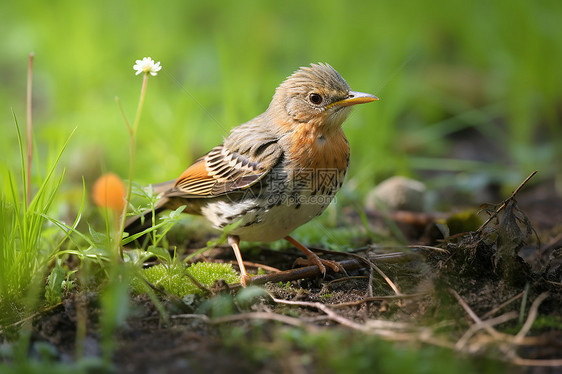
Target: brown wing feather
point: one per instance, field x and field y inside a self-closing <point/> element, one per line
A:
<point x="193" y="181"/>
<point x="222" y="171"/>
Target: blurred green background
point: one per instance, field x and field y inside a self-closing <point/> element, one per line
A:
<point x="472" y="88"/>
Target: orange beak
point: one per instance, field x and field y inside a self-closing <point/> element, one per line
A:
<point x="355" y="98"/>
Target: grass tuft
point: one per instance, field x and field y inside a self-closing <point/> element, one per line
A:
<point x="25" y="253"/>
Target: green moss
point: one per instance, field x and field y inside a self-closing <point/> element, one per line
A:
<point x="464" y="221"/>
<point x="174" y="278"/>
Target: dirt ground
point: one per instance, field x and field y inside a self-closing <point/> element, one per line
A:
<point x="487" y="273"/>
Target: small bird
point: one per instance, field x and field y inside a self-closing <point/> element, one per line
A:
<point x="275" y="172"/>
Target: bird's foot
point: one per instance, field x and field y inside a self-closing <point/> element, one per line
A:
<point x="245" y="279"/>
<point x="313" y="259"/>
<point x="320" y="263"/>
<point x="234" y="242"/>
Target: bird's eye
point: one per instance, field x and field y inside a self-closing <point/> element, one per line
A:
<point x="315" y="98"/>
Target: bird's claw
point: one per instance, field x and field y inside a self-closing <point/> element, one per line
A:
<point x="245" y="279"/>
<point x="320" y="263"/>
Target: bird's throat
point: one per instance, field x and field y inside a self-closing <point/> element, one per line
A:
<point x="319" y="147"/>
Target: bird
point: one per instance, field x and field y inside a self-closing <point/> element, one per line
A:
<point x="275" y="172"/>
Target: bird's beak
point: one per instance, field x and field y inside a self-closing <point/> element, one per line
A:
<point x="355" y="98"/>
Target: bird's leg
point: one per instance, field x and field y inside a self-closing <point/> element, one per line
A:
<point x="234" y="242"/>
<point x="312" y="258"/>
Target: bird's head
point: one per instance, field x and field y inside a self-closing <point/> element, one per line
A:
<point x="318" y="95"/>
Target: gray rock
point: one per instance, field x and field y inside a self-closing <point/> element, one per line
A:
<point x="397" y="193"/>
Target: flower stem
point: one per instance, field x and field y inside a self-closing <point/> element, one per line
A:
<point x="29" y="127"/>
<point x="132" y="143"/>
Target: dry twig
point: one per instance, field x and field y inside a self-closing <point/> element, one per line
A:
<point x="503" y="305"/>
<point x="473" y="315"/>
<point x="378" y="298"/>
<point x="30" y="317"/>
<point x="375" y="267"/>
<point x="531" y="317"/>
<point x="300" y="273"/>
<point x="461" y="343"/>
<point x="345" y="279"/>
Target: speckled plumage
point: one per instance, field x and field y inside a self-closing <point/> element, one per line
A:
<point x="279" y="170"/>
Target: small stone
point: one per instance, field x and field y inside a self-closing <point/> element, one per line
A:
<point x="397" y="193"/>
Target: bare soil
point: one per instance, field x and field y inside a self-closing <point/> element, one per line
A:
<point x="517" y="256"/>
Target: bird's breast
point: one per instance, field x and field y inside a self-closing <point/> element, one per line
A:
<point x="317" y="160"/>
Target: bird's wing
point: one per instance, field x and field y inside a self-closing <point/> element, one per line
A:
<point x="222" y="170"/>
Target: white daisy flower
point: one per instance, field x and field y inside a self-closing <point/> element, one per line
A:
<point x="147" y="65"/>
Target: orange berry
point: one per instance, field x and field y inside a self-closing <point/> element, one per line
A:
<point x="109" y="192"/>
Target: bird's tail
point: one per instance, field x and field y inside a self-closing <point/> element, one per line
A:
<point x="143" y="221"/>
